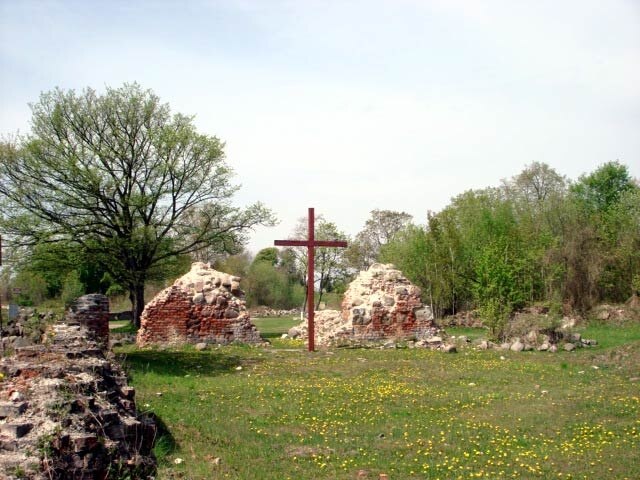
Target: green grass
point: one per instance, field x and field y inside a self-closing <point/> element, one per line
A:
<point x="611" y="335"/>
<point x="274" y="327"/>
<point x="285" y="413"/>
<point x="121" y="326"/>
<point x="469" y="332"/>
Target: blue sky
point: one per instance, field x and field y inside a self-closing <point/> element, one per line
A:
<point x="355" y="105"/>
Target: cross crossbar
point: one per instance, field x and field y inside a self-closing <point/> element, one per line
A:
<point x="311" y="243"/>
<point x="305" y="243"/>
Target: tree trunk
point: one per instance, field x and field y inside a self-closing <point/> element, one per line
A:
<point x="136" y="295"/>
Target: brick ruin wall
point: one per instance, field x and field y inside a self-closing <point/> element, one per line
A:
<point x="66" y="411"/>
<point x="202" y="306"/>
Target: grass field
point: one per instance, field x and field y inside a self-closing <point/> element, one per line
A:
<point x="244" y="412"/>
<point x="274" y="327"/>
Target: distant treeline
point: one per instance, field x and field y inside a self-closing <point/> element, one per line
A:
<point x="537" y="238"/>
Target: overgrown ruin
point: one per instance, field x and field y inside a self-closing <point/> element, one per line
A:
<point x="203" y="305"/>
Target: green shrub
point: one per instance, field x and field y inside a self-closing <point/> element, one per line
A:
<point x="32" y="288"/>
<point x="72" y="288"/>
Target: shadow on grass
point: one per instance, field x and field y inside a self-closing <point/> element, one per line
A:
<point x="271" y="335"/>
<point x="165" y="443"/>
<point x="129" y="328"/>
<point x="179" y="363"/>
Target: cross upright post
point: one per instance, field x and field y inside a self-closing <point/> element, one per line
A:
<point x="310" y="243"/>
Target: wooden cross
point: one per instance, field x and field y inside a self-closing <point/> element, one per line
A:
<point x="310" y="243"/>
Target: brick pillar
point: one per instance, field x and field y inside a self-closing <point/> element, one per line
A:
<point x="92" y="312"/>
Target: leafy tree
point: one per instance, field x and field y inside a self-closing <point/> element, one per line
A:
<point x="330" y="263"/>
<point x="501" y="278"/>
<point x="624" y="266"/>
<point x="237" y="264"/>
<point x="269" y="255"/>
<point x="135" y="186"/>
<point x="72" y="288"/>
<point x="602" y="189"/>
<point x="31" y="288"/>
<point x="538" y="195"/>
<point x="471" y="254"/>
<point x="54" y="261"/>
<point x="267" y="284"/>
<point x="533" y="239"/>
<point x="537" y="183"/>
<point x="601" y="245"/>
<point x="411" y="251"/>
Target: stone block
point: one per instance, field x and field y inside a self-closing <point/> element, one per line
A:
<point x="115" y="431"/>
<point x="16" y="429"/>
<point x="231" y="313"/>
<point x="9" y="445"/>
<point x="83" y="442"/>
<point x="449" y="348"/>
<point x="62" y="441"/>
<point x="128" y="392"/>
<point x="11" y="409"/>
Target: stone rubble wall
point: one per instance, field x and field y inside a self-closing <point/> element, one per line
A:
<point x="380" y="303"/>
<point x="66" y="411"/>
<point x="27" y="328"/>
<point x="92" y="312"/>
<point x="204" y="305"/>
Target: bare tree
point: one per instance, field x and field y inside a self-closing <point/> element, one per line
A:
<point x="378" y="231"/>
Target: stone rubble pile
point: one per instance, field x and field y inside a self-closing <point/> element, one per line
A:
<point x="536" y="341"/>
<point x="263" y="312"/>
<point x="66" y="411"/>
<point x="381" y="303"/>
<point x="203" y="305"/>
<point x="25" y="329"/>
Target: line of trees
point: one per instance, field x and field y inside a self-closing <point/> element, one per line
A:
<point x="109" y="192"/>
<point x="536" y="238"/>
